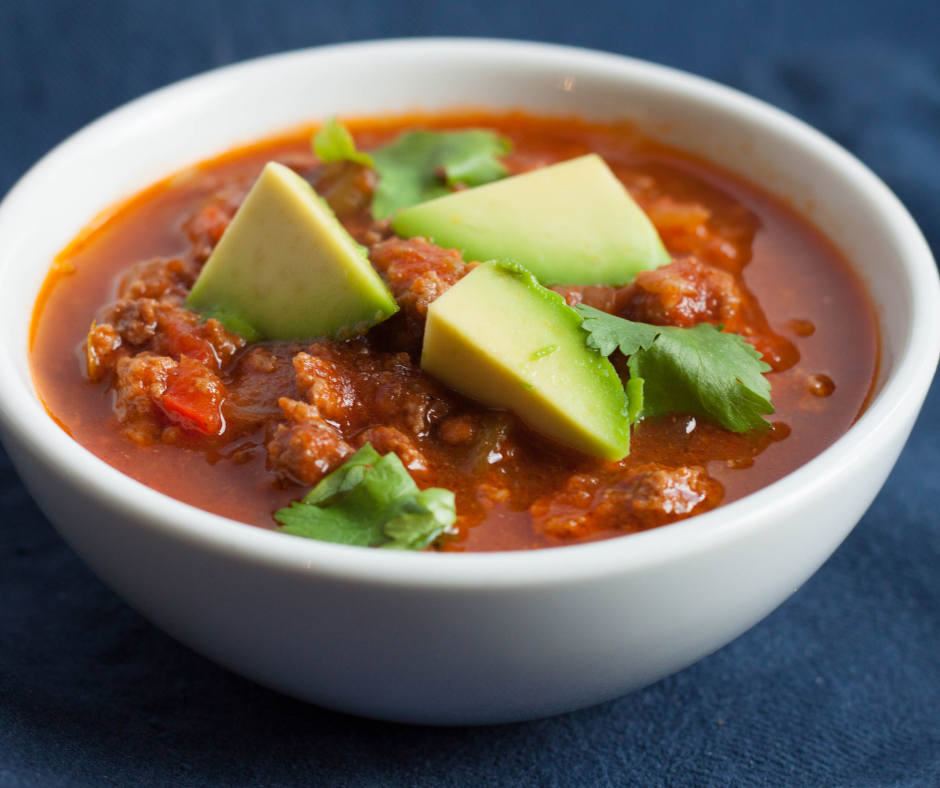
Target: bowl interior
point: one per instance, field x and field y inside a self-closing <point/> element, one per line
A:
<point x="202" y="117"/>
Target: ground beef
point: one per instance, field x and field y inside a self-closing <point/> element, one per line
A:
<point x="326" y="387"/>
<point x="417" y="272"/>
<point x="139" y="385"/>
<point x="355" y="387"/>
<point x="305" y="448"/>
<point x="134" y="319"/>
<point x="683" y="294"/>
<point x="159" y="278"/>
<point x="206" y="227"/>
<point x="655" y="494"/>
<point x="101" y="351"/>
<point x="160" y="328"/>
<point x="687" y="292"/>
<point x="389" y="439"/>
<point x="643" y="497"/>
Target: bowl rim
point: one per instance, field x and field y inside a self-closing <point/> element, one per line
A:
<point x="902" y="392"/>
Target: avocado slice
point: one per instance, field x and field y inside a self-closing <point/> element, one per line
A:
<point x="571" y="223"/>
<point x="286" y="269"/>
<point x="501" y="338"/>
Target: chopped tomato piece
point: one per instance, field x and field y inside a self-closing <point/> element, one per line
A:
<point x="185" y="339"/>
<point x="193" y="398"/>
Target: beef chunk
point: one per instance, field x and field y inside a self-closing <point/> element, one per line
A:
<point x="206" y="227"/>
<point x="682" y="294"/>
<point x="655" y="494"/>
<point x="326" y="385"/>
<point x="305" y="448"/>
<point x="417" y="273"/>
<point x="101" y="351"/>
<point x="644" y="497"/>
<point x="168" y="329"/>
<point x="159" y="328"/>
<point x="139" y="386"/>
<point x="134" y="319"/>
<point x="159" y="278"/>
<point x="388" y="439"/>
<point x="357" y="387"/>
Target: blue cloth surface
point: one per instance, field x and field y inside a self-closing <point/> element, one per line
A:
<point x="839" y="687"/>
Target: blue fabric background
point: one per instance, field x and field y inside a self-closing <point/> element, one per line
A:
<point x="839" y="687"/>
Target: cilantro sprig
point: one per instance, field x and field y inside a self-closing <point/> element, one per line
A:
<point x="700" y="370"/>
<point x="371" y="501"/>
<point x="419" y="165"/>
<point x="422" y="165"/>
<point x="333" y="142"/>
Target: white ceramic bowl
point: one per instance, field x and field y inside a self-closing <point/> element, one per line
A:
<point x="444" y="638"/>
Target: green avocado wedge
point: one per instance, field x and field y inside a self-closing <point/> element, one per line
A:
<point x="501" y="338"/>
<point x="571" y="223"/>
<point x="286" y="269"/>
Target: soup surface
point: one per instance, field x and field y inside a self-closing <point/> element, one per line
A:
<point x="291" y="411"/>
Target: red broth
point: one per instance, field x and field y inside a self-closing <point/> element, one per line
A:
<point x="798" y="301"/>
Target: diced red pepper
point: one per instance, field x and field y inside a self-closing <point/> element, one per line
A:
<point x="193" y="398"/>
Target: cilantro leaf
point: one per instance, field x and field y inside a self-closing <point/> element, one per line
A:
<point x="704" y="371"/>
<point x="333" y="142"/>
<point x="334" y="486"/>
<point x="607" y="333"/>
<point x="419" y="165"/>
<point x="422" y="165"/>
<point x="700" y="370"/>
<point x="419" y="520"/>
<point x="371" y="501"/>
